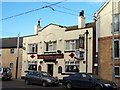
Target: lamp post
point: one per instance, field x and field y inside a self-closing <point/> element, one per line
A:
<point x="87" y="50"/>
<point x="17" y="53"/>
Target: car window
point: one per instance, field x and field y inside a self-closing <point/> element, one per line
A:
<point x="44" y="74"/>
<point x="85" y="76"/>
<point x="30" y="73"/>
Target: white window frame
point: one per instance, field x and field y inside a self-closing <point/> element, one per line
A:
<point x="33" y="45"/>
<point x="119" y="48"/>
<point x="52" y="46"/>
<point x="119" y="71"/>
<point x="72" y="45"/>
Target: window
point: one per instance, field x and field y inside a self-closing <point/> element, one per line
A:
<point x="12" y="50"/>
<point x="117" y="48"/>
<point x="117" y="71"/>
<point x="71" y="66"/>
<point x="32" y="48"/>
<point x="51" y="46"/>
<point x="11" y="65"/>
<point x="72" y="44"/>
<point x="116" y="23"/>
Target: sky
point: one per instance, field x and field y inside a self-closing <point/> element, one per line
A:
<point x="65" y="13"/>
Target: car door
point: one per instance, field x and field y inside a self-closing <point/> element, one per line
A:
<point x="37" y="78"/>
<point x="85" y="81"/>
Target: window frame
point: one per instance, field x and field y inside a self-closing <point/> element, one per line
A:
<point x="69" y="45"/>
<point x="51" y="46"/>
<point x="118" y="72"/>
<point x="119" y="48"/>
<point x="118" y="22"/>
<point x="33" y="48"/>
<point x="70" y="64"/>
<point x="12" y="50"/>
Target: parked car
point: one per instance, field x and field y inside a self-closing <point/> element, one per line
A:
<point x="5" y="73"/>
<point x="86" y="81"/>
<point x="40" y="77"/>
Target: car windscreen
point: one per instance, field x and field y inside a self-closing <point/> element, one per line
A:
<point x="44" y="74"/>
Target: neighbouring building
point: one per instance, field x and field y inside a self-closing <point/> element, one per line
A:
<point x="108" y="21"/>
<point x="60" y="49"/>
<point x="8" y="55"/>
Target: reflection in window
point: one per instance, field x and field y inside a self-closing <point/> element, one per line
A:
<point x="72" y="66"/>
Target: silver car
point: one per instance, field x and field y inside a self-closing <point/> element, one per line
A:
<point x="5" y="73"/>
<point x="40" y="77"/>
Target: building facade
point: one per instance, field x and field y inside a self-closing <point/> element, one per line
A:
<point x="8" y="57"/>
<point x="60" y="50"/>
<point x="108" y="32"/>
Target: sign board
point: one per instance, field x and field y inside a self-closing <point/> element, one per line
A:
<point x="79" y="55"/>
<point x="50" y="56"/>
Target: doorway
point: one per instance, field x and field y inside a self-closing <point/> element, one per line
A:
<point x="50" y="69"/>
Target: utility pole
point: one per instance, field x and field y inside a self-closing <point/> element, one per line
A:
<point x="17" y="56"/>
<point x="87" y="51"/>
<point x="113" y="62"/>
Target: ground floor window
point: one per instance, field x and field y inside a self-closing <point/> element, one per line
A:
<point x="32" y="67"/>
<point x="71" y="66"/>
<point x="117" y="71"/>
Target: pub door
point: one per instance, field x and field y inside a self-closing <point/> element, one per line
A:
<point x="50" y="69"/>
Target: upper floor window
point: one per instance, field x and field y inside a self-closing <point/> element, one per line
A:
<point x="32" y="48"/>
<point x="51" y="46"/>
<point x="117" y="48"/>
<point x="72" y="44"/>
<point x="117" y="23"/>
<point x="12" y="50"/>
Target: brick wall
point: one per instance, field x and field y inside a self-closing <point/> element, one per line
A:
<point x="105" y="59"/>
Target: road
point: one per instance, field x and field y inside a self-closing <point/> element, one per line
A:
<point x="20" y="85"/>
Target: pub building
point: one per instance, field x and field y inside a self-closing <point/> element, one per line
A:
<point x="60" y="50"/>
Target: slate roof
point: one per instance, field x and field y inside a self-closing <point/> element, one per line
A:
<point x="10" y="42"/>
<point x="87" y="25"/>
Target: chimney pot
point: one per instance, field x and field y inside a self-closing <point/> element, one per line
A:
<point x="82" y="13"/>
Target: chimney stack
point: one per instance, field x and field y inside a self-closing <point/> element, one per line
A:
<point x="37" y="28"/>
<point x="81" y="20"/>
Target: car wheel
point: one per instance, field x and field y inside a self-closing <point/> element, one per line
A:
<point x="98" y="87"/>
<point x="68" y="85"/>
<point x="27" y="82"/>
<point x="44" y="83"/>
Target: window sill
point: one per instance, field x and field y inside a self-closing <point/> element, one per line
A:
<point x="69" y="51"/>
<point x="32" y="53"/>
<point x="49" y="51"/>
<point x="117" y="58"/>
